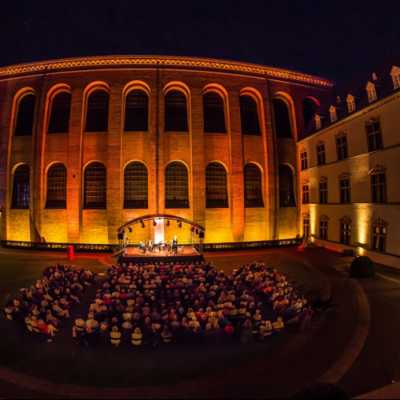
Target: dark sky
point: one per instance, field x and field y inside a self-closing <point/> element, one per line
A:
<point x="337" y="39"/>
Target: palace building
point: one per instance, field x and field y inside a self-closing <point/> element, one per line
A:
<point x="348" y="180"/>
<point x="88" y="144"/>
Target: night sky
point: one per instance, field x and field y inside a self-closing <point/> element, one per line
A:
<point x="339" y="40"/>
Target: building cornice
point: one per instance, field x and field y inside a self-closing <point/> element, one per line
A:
<point x="100" y="62"/>
<point x="354" y="115"/>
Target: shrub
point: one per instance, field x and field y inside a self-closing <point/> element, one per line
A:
<point x="362" y="267"/>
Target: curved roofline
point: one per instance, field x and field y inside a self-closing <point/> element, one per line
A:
<point x="118" y="61"/>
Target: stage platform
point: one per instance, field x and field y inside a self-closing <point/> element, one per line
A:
<point x="134" y="255"/>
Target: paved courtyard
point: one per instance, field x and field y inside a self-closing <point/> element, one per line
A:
<point x="337" y="348"/>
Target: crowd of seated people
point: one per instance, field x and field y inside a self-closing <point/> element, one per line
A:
<point x="154" y="304"/>
<point x="44" y="306"/>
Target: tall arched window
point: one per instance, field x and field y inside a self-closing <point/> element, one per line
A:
<point x="95" y="186"/>
<point x="97" y="111"/>
<point x="176" y="186"/>
<point x="25" y="115"/>
<point x="135" y="185"/>
<point x="252" y="186"/>
<point x="56" y="186"/>
<point x="345" y="230"/>
<point x="214" y="113"/>
<point x="136" y="111"/>
<point x="21" y="187"/>
<point x="286" y="192"/>
<point x="282" y="119"/>
<point x="216" y="186"/>
<point x="310" y="108"/>
<point x="60" y="112"/>
<point x="176" y="112"/>
<point x="249" y="116"/>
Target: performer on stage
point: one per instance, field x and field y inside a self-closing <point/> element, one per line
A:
<point x="175" y="245"/>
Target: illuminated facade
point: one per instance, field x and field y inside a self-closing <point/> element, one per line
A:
<point x="348" y="173"/>
<point x="89" y="144"/>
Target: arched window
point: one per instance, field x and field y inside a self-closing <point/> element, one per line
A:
<point x="323" y="190"/>
<point x="21" y="187"/>
<point x="345" y="230"/>
<point x="214" y="113"/>
<point x="60" y="112"/>
<point x="216" y="186"/>
<point x="249" y="116"/>
<point x="136" y="111"/>
<point x="306" y="226"/>
<point x="252" y="186"/>
<point x="176" y="112"/>
<point x="378" y="185"/>
<point x="286" y="192"/>
<point x="25" y="115"/>
<point x="95" y="186"/>
<point x="323" y="227"/>
<point x="135" y="185"/>
<point x="97" y="111"/>
<point x="282" y="119"/>
<point x="310" y="108"/>
<point x="56" y="186"/>
<point x="379" y="235"/>
<point x="176" y="186"/>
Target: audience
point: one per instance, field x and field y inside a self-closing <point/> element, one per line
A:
<point x="44" y="306"/>
<point x="162" y="304"/>
<point x="166" y="303"/>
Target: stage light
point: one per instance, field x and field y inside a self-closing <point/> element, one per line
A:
<point x="142" y="223"/>
<point x="167" y="222"/>
<point x="130" y="230"/>
<point x="154" y="222"/>
<point x="180" y="224"/>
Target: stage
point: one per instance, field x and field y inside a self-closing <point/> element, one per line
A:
<point x="135" y="255"/>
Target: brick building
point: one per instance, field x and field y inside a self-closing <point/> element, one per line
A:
<point x="88" y="144"/>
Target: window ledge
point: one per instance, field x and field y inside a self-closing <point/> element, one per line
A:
<point x="134" y="132"/>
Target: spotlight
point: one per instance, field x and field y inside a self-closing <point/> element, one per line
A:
<point x="142" y="223"/>
<point x="180" y="224"/>
<point x="130" y="230"/>
<point x="154" y="222"/>
<point x="167" y="222"/>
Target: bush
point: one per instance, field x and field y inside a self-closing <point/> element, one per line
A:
<point x="362" y="267"/>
